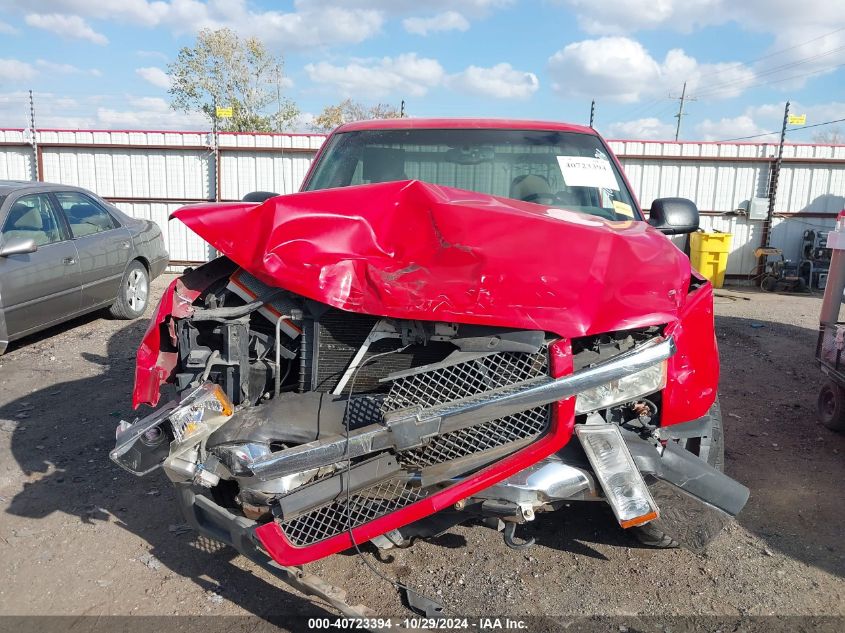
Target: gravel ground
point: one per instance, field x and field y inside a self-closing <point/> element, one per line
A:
<point x="89" y="539"/>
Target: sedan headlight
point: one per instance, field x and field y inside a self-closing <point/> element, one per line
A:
<point x="625" y="389"/>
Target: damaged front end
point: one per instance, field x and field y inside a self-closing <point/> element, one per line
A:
<point x="307" y="421"/>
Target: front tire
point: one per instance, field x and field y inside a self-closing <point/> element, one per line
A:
<point x="710" y="448"/>
<point x="134" y="293"/>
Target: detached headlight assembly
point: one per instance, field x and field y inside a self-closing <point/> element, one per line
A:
<point x="192" y="416"/>
<point x="625" y="389"/>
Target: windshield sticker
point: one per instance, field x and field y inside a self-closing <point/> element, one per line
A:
<point x="583" y="171"/>
<point x="623" y="209"/>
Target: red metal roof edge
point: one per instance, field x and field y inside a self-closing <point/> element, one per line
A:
<point x="432" y="123"/>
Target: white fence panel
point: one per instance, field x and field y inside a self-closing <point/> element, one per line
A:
<point x="151" y="173"/>
<point x="183" y="244"/>
<point x="15" y="163"/>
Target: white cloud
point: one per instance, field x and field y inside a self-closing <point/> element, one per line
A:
<point x="92" y="112"/>
<point x="502" y="81"/>
<point x="65" y="69"/>
<point x="768" y="118"/>
<point x="446" y="21"/>
<point x="305" y="29"/>
<point x="625" y="16"/>
<point x="309" y="25"/>
<point x="51" y="110"/>
<point x="649" y="128"/>
<point x="152" y="54"/>
<point x="150" y="113"/>
<point x="801" y="30"/>
<point x="70" y="26"/>
<point x="14" y="70"/>
<point x="8" y="29"/>
<point x="475" y="8"/>
<point x="403" y="75"/>
<point x="621" y="69"/>
<point x="154" y="75"/>
<point x="770" y="16"/>
<point x="304" y="122"/>
<point x="730" y="128"/>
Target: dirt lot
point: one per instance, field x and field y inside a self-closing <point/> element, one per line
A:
<point x="89" y="539"/>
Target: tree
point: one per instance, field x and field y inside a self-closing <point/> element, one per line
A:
<point x="224" y="71"/>
<point x="832" y="135"/>
<point x="348" y="110"/>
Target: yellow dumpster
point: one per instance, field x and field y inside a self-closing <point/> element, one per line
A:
<point x="709" y="255"/>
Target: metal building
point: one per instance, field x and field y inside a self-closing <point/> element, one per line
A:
<point x="151" y="173"/>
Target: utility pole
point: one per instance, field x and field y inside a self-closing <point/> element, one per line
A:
<point x="682" y="99"/>
<point x="592" y="112"/>
<point x="33" y="138"/>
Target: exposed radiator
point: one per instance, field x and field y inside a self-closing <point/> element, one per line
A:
<point x="331" y="341"/>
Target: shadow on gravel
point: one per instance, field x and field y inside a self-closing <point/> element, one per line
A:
<point x="62" y="442"/>
<point x="23" y="343"/>
<point x="796" y="491"/>
<point x="793" y="465"/>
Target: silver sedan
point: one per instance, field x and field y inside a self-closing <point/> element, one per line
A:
<point x="65" y="252"/>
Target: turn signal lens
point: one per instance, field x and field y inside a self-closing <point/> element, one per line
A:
<point x="191" y="417"/>
<point x="623" y="485"/>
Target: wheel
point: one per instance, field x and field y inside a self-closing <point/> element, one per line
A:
<point x="831" y="406"/>
<point x="134" y="293"/>
<point x="710" y="448"/>
<point x="769" y="283"/>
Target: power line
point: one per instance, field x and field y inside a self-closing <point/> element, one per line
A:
<point x="792" y="129"/>
<point x="774" y="54"/>
<point x="714" y="88"/>
<point x="643" y="108"/>
<point x="772" y="81"/>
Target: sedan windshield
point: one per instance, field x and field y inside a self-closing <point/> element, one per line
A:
<point x="568" y="170"/>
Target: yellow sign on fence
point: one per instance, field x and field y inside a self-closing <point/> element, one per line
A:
<point x="797" y="119"/>
<point x="224" y="113"/>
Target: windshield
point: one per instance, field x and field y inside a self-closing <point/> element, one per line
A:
<point x="554" y="169"/>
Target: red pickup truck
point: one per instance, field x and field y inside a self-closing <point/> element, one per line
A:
<point x="453" y="321"/>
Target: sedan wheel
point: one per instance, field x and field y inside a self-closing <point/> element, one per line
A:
<point x="137" y="290"/>
<point x="134" y="293"/>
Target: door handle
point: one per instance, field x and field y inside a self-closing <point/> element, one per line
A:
<point x="69" y="261"/>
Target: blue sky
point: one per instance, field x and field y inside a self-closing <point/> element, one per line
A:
<point x="101" y="63"/>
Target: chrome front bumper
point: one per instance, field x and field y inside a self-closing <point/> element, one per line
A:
<point x="412" y="427"/>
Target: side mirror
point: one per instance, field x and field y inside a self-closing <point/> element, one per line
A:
<point x="18" y="246"/>
<point x="674" y="216"/>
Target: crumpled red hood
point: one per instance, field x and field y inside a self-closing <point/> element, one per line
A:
<point x="413" y="250"/>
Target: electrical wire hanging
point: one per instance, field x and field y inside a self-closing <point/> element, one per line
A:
<point x="347" y="506"/>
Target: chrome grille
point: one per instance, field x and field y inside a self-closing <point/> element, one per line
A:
<point x="493" y="434"/>
<point x="464" y="379"/>
<point x="436" y="388"/>
<point x="364" y="506"/>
